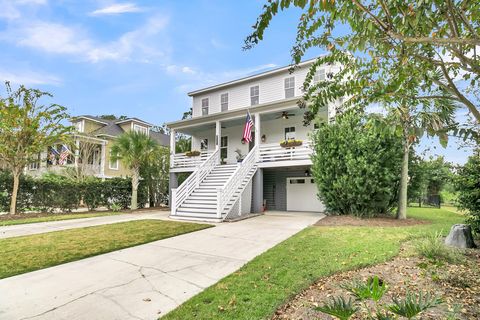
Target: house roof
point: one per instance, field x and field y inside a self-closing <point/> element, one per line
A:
<point x="248" y="78"/>
<point x="112" y="128"/>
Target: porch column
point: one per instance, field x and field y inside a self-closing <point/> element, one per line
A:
<point x="172" y="146"/>
<point x="218" y="134"/>
<point x="102" y="160"/>
<point x="77" y="152"/>
<point x="172" y="184"/>
<point x="257" y="191"/>
<point x="257" y="129"/>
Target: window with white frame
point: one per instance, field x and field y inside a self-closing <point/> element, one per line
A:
<point x="204" y="144"/>
<point x="319" y="76"/>
<point x="140" y="129"/>
<point x="224" y="101"/>
<point x="79" y="126"/>
<point x="112" y="164"/>
<point x="205" y="105"/>
<point x="289" y="87"/>
<point x="254" y="95"/>
<point x="289" y="133"/>
<point x="35" y="165"/>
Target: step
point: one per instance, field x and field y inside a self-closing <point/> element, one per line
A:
<point x="200" y="201"/>
<point x="197" y="210"/>
<point x="211" y="205"/>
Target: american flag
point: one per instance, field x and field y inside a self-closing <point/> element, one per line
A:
<point x="52" y="157"/>
<point x="247" y="130"/>
<point x="63" y="155"/>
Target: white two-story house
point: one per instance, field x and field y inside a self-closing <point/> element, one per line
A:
<point x="229" y="177"/>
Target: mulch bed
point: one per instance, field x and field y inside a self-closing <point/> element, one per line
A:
<point x="457" y="284"/>
<point x="381" y="221"/>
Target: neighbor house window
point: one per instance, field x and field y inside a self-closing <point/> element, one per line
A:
<point x="79" y="126"/>
<point x="319" y="76"/>
<point x="254" y="95"/>
<point x="35" y="165"/>
<point x="224" y="147"/>
<point x="205" y="104"/>
<point x="290" y="87"/>
<point x="204" y="144"/>
<point x="289" y="133"/>
<point x="224" y="101"/>
<point x="113" y="164"/>
<point x="140" y="129"/>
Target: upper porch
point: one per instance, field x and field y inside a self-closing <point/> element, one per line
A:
<point x="223" y="131"/>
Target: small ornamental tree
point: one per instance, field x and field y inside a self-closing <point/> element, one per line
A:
<point x="135" y="150"/>
<point x="28" y="128"/>
<point x="467" y="183"/>
<point x="356" y="166"/>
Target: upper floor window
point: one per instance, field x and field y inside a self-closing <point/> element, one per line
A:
<point x="290" y="87"/>
<point x="79" y="126"/>
<point x="205" y="104"/>
<point x="254" y="95"/>
<point x="319" y="76"/>
<point x="289" y="133"/>
<point x="140" y="129"/>
<point x="224" y="101"/>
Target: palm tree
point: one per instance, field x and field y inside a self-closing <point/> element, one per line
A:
<point x="134" y="150"/>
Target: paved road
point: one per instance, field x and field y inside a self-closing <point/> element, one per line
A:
<point x="146" y="281"/>
<point x="42" y="227"/>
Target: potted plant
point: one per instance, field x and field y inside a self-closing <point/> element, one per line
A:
<point x="193" y="153"/>
<point x="290" y="143"/>
<point x="240" y="155"/>
<point x="222" y="161"/>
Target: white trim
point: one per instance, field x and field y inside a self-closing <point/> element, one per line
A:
<point x="139" y="128"/>
<point x="252" y="77"/>
<point x="135" y="120"/>
<point x="74" y="119"/>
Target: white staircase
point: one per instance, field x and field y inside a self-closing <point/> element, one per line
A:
<point x="212" y="191"/>
<point x="202" y="202"/>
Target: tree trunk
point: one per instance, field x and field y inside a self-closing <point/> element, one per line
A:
<point x="135" y="181"/>
<point x="402" y="198"/>
<point x="16" y="183"/>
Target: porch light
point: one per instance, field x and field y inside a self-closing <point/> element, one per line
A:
<point x="264" y="138"/>
<point x="307" y="173"/>
<point x="284" y="116"/>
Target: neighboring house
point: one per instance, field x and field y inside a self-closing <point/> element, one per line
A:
<point x="93" y="140"/>
<point x="231" y="178"/>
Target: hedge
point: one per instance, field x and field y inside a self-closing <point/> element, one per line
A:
<point x="54" y="192"/>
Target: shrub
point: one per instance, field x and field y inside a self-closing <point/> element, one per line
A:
<point x="467" y="183"/>
<point x="356" y="167"/>
<point x="55" y="192"/>
<point x="432" y="247"/>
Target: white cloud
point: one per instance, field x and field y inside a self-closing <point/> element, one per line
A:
<point x="117" y="8"/>
<point x="10" y="11"/>
<point x="29" y="78"/>
<point x="173" y="69"/>
<point x="135" y="45"/>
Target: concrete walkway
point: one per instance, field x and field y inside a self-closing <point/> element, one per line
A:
<point x="146" y="281"/>
<point x="42" y="227"/>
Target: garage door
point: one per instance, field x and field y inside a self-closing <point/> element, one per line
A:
<point x="302" y="195"/>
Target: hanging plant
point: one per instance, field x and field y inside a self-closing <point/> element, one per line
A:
<point x="291" y="143"/>
<point x="193" y="153"/>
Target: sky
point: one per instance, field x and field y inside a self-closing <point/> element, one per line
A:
<point x="140" y="58"/>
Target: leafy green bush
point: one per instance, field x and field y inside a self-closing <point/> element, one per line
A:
<point x="467" y="183"/>
<point x="356" y="166"/>
<point x="55" y="192"/>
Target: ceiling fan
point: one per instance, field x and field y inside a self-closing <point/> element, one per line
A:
<point x="285" y="115"/>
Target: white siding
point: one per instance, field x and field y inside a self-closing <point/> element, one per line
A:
<point x="271" y="89"/>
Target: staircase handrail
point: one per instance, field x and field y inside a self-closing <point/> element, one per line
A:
<point x="225" y="193"/>
<point x="180" y="194"/>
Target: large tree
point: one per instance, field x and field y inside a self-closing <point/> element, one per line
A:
<point x="135" y="150"/>
<point x="391" y="55"/>
<point x="441" y="37"/>
<point x="28" y="128"/>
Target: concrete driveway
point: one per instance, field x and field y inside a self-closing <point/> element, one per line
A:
<point x="146" y="281"/>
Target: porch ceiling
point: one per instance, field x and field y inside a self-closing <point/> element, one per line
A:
<point x="293" y="111"/>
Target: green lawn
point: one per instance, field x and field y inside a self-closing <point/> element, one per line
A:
<point x="57" y="217"/>
<point x="27" y="253"/>
<point x="262" y="285"/>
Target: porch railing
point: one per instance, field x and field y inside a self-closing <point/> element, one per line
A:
<point x="274" y="152"/>
<point x="182" y="161"/>
<point x="234" y="183"/>
<point x="193" y="181"/>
